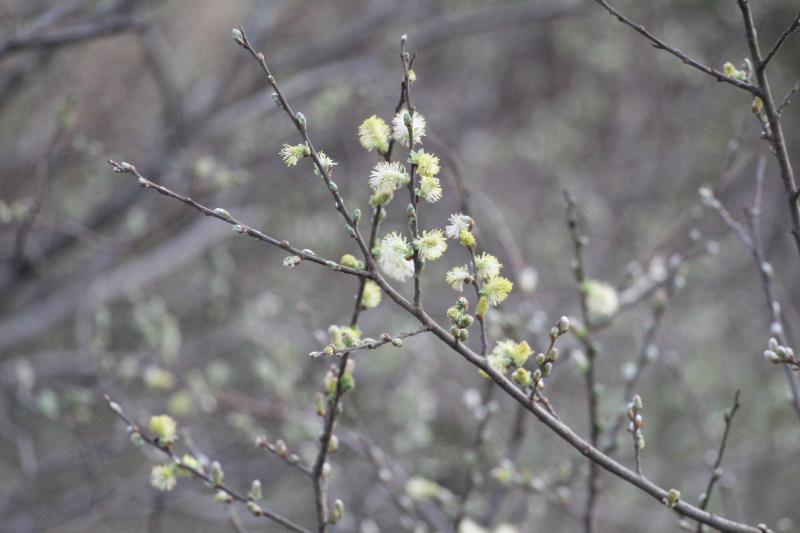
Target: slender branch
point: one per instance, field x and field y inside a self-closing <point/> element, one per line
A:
<point x="751" y="238"/>
<point x="151" y="441"/>
<point x="716" y="473"/>
<point x="661" y="45"/>
<point x="578" y="242"/>
<point x="775" y="137"/>
<point x="299" y="122"/>
<point x="278" y="449"/>
<point x="785" y="35"/>
<point x="650" y="336"/>
<point x="385" y="339"/>
<point x="788" y="98"/>
<point x="413" y="215"/>
<point x="238" y="226"/>
<point x="559" y="427"/>
<point x="477" y="444"/>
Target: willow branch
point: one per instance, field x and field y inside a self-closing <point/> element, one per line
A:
<point x="782" y="39"/>
<point x="715" y="470"/>
<point x="775" y="133"/>
<point x="300" y="125"/>
<point x="238" y="226"/>
<point x="661" y="45"/>
<point x="151" y="441"/>
<point x="578" y="242"/>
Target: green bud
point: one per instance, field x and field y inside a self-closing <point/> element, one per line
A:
<point x="356" y="215"/>
<point x="672" y="499"/>
<point x="338" y="511"/>
<point x="255" y="509"/>
<point x="216" y="473"/>
<point x="255" y="492"/>
<point x="238" y="36"/>
<point x="301" y="120"/>
<point x="522" y="376"/>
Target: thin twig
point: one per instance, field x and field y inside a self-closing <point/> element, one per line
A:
<point x="661" y="45"/>
<point x="239" y="227"/>
<point x="786" y="100"/>
<point x="300" y="125"/>
<point x="384" y="340"/>
<point x="578" y="242"/>
<point x="785" y="35"/>
<point x="716" y="474"/>
<point x="775" y="137"/>
<point x="151" y="441"/>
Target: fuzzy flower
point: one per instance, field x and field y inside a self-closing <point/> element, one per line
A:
<point x="457" y="276"/>
<point x="386" y="177"/>
<point x="394" y="257"/>
<point x="427" y="164"/>
<point x="372" y="295"/>
<point x="400" y="129"/>
<point x="487" y="266"/>
<point x="429" y="189"/>
<point x="327" y="163"/>
<point x="431" y="244"/>
<point x="162" y="477"/>
<point x="374" y="133"/>
<point x="602" y="301"/>
<point x="496" y="289"/>
<point x="458" y="223"/>
<point x="293" y="154"/>
<point x="499" y="361"/>
<point x="164" y="428"/>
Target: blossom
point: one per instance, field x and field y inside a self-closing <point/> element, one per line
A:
<point x="394" y="257"/>
<point x="496" y="289"/>
<point x="293" y="154"/>
<point x="457" y="276"/>
<point x="458" y="222"/>
<point x="431" y="244"/>
<point x="602" y="301"/>
<point x="327" y="163"/>
<point x="386" y="177"/>
<point x="400" y="129"/>
<point x="372" y="295"/>
<point x="164" y="428"/>
<point x="487" y="266"/>
<point x="427" y="164"/>
<point x="374" y="133"/>
<point x="162" y="477"/>
<point x="429" y="189"/>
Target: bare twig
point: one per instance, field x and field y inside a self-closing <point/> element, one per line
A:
<point x="578" y="242"/>
<point x="239" y="227"/>
<point x="786" y="100"/>
<point x="716" y="472"/>
<point x="785" y="35"/>
<point x="661" y="45"/>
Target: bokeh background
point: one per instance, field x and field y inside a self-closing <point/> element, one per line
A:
<point x="109" y="288"/>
